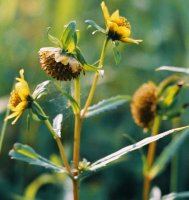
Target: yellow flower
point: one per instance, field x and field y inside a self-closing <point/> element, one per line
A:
<point x="118" y="28"/>
<point x="20" y="98"/>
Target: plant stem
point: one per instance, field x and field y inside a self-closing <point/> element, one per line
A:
<point x="150" y="158"/>
<point x="57" y="139"/>
<point x="93" y="87"/>
<point x="77" y="127"/>
<point x="174" y="162"/>
<point x="75" y="189"/>
<point x="77" y="133"/>
<point x="3" y="129"/>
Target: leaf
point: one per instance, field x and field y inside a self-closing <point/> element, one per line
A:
<point x="174" y="69"/>
<point x="173" y="195"/>
<point x="53" y="39"/>
<point x="37" y="113"/>
<point x="93" y="24"/>
<point x="71" y="100"/>
<point x="117" y="55"/>
<point x="40" y="90"/>
<point x="106" y="105"/>
<point x="27" y="154"/>
<point x="57" y="124"/>
<point x="68" y="34"/>
<point x="108" y="160"/>
<point x="167" y="154"/>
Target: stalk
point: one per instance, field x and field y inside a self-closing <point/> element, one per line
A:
<point x="93" y="87"/>
<point x="77" y="133"/>
<point x="57" y="139"/>
<point x="150" y="158"/>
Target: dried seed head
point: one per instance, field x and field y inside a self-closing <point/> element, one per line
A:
<point x="144" y="105"/>
<point x="59" y="65"/>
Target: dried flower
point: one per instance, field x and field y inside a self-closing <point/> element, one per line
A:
<point x="144" y="105"/>
<point x="58" y="64"/>
<point x="20" y="98"/>
<point x="118" y="27"/>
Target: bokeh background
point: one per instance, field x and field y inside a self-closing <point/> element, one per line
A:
<point x="163" y="26"/>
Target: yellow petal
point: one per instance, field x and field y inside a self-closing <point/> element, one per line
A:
<point x="16" y="119"/>
<point x="123" y="31"/>
<point x="130" y="40"/>
<point x="22" y="73"/>
<point x="112" y="26"/>
<point x="105" y="11"/>
<point x="115" y="16"/>
<point x="22" y="89"/>
<point x="14" y="114"/>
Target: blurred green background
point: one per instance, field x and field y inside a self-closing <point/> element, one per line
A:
<point x="163" y="26"/>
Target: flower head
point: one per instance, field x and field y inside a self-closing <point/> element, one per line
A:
<point x="144" y="105"/>
<point x="59" y="65"/>
<point x="20" y="98"/>
<point x="118" y="28"/>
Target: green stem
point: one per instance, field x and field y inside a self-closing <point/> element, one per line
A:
<point x="77" y="134"/>
<point x="3" y="129"/>
<point x="77" y="127"/>
<point x="150" y="158"/>
<point x="57" y="139"/>
<point x="93" y="87"/>
<point x="174" y="162"/>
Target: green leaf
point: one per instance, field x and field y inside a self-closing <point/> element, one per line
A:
<point x="71" y="100"/>
<point x="174" y="69"/>
<point x="117" y="55"/>
<point x="27" y="154"/>
<point x="116" y="156"/>
<point x="82" y="60"/>
<point x="57" y="124"/>
<point x="107" y="104"/>
<point x="174" y="195"/>
<point x="36" y="112"/>
<point x="93" y="24"/>
<point x="167" y="154"/>
<point x="53" y="39"/>
<point x="40" y="90"/>
<point x="68" y="34"/>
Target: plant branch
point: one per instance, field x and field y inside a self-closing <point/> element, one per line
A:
<point x="93" y="87"/>
<point x="150" y="158"/>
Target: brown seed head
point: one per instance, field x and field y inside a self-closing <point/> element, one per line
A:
<point x="58" y="65"/>
<point x="144" y="105"/>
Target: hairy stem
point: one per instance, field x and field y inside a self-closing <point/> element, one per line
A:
<point x="93" y="87"/>
<point x="150" y="158"/>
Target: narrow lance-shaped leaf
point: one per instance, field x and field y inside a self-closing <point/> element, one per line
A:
<point x="53" y="39"/>
<point x="167" y="154"/>
<point x="174" y="195"/>
<point x="27" y="154"/>
<point x="108" y="160"/>
<point x="174" y="69"/>
<point x="93" y="24"/>
<point x="107" y="104"/>
<point x="82" y="60"/>
<point x="57" y="124"/>
<point x="40" y="90"/>
<point x="68" y="34"/>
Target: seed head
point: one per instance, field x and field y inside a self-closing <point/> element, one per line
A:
<point x="144" y="105"/>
